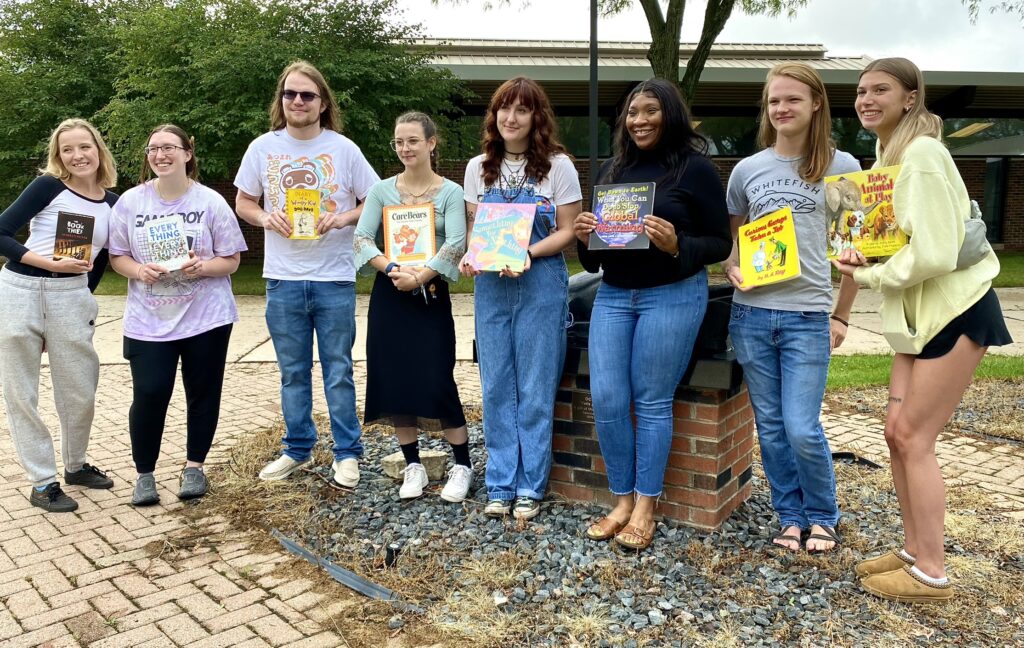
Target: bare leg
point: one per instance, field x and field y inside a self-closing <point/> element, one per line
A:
<point x="899" y="381"/>
<point x="623" y="509"/>
<point x="643" y="512"/>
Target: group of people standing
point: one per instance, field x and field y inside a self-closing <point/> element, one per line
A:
<point x="646" y="314"/>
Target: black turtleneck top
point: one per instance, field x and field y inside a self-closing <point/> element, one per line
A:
<point x="695" y="205"/>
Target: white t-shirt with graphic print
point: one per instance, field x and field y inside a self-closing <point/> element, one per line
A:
<point x="331" y="163"/>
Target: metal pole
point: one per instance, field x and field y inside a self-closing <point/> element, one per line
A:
<point x="593" y="94"/>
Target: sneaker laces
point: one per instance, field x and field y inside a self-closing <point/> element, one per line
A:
<point x="53" y="493"/>
<point x="524" y="502"/>
<point x="93" y="469"/>
<point x="460" y="474"/>
<point x="412" y="469"/>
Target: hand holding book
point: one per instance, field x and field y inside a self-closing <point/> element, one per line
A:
<point x="68" y="265"/>
<point x="277" y="221"/>
<point x="584" y="226"/>
<point x="662" y="233"/>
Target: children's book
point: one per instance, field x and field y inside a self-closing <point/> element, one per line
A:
<point x="166" y="240"/>
<point x="620" y="211"/>
<point x="303" y="209"/>
<point x="859" y="212"/>
<point x="409" y="233"/>
<point x="73" y="239"/>
<point x="768" y="250"/>
<point x="501" y="235"/>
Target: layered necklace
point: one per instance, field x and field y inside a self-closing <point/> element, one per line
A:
<point x="417" y="196"/>
<point x="512" y="175"/>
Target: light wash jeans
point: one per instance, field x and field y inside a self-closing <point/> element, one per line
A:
<point x="640" y="345"/>
<point x="520" y="337"/>
<point x="785" y="357"/>
<point x="295" y="309"/>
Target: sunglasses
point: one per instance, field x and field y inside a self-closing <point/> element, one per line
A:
<point x="289" y="95"/>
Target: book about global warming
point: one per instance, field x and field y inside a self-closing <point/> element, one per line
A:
<point x="768" y="250"/>
<point x="73" y="239"/>
<point x="166" y="241"/>
<point x="620" y="210"/>
<point x="501" y="235"/>
<point x="303" y="209"/>
<point x="860" y="214"/>
<point x="409" y="233"/>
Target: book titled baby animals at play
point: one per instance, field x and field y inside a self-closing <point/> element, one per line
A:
<point x="620" y="210"/>
<point x="303" y="209"/>
<point x="409" y="233"/>
<point x="860" y="213"/>
<point x="768" y="251"/>
<point x="501" y="235"/>
<point x="166" y="240"/>
<point x="73" y="239"/>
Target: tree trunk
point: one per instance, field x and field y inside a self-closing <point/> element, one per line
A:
<point x="715" y="17"/>
<point x="665" y="33"/>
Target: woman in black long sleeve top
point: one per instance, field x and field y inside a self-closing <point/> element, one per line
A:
<point x="651" y="302"/>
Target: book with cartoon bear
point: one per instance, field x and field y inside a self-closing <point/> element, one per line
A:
<point x="409" y="233"/>
<point x="620" y="210"/>
<point x="73" y="238"/>
<point x="501" y="236"/>
<point x="303" y="209"/>
<point x="859" y="213"/>
<point x="768" y="250"/>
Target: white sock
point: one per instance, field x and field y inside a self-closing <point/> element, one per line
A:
<point x="910" y="559"/>
<point x="928" y="579"/>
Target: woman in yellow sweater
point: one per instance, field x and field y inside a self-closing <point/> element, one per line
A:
<point x="938" y="319"/>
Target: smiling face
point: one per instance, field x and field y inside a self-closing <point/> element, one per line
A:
<point x="79" y="154"/>
<point x="514" y="122"/>
<point x="299" y="113"/>
<point x="412" y="147"/>
<point x="643" y="121"/>
<point x="881" y="102"/>
<point x="790" y="106"/>
<point x="171" y="163"/>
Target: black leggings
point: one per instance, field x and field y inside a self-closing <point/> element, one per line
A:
<point x="154" y="365"/>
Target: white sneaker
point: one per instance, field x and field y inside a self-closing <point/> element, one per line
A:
<point x="459" y="479"/>
<point x="281" y="467"/>
<point x="415" y="480"/>
<point x="346" y="472"/>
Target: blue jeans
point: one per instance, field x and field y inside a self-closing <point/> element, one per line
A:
<point x="640" y="345"/>
<point x="520" y="337"/>
<point x="785" y="357"/>
<point x="295" y="309"/>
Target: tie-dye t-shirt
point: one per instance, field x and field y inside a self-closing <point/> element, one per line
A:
<point x="177" y="306"/>
<point x="330" y="163"/>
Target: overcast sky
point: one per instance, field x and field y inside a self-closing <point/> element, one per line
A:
<point x="935" y="34"/>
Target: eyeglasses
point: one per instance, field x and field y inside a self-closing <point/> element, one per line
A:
<point x="289" y="95"/>
<point x="166" y="149"/>
<point x="412" y="142"/>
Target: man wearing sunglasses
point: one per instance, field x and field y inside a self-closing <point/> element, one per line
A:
<point x="310" y="282"/>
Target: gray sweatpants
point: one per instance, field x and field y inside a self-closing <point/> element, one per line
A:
<point x="62" y="312"/>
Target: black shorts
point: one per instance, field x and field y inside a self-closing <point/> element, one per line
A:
<point x="983" y="323"/>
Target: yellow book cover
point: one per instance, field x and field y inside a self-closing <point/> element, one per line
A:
<point x="768" y="250"/>
<point x="859" y="212"/>
<point x="303" y="209"/>
<point x="409" y="233"/>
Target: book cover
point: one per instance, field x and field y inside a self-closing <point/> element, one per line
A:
<point x="501" y="234"/>
<point x="620" y="211"/>
<point x="166" y="241"/>
<point x="859" y="212"/>
<point x="303" y="209"/>
<point x="768" y="250"/>
<point x="73" y="238"/>
<point x="409" y="233"/>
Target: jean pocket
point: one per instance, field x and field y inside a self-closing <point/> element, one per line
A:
<point x="272" y="284"/>
<point x="814" y="316"/>
<point x="739" y="311"/>
<point x="556" y="271"/>
<point x="344" y="284"/>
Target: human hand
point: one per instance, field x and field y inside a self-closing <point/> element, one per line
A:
<point x="149" y="273"/>
<point x="466" y="268"/>
<point x="836" y="332"/>
<point x="583" y="225"/>
<point x="849" y="260"/>
<point x="193" y="268"/>
<point x="335" y="220"/>
<point x="512" y="274"/>
<point x="735" y="277"/>
<point x="662" y="233"/>
<point x="276" y="221"/>
<point x="67" y="265"/>
<point x="403" y="280"/>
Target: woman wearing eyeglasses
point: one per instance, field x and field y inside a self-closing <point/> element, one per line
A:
<point x="184" y="314"/>
<point x="410" y="332"/>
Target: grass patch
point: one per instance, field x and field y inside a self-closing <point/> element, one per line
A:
<point x="863" y="370"/>
<point x="1011" y="270"/>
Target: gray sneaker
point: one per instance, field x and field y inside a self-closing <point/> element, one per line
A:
<point x="193" y="484"/>
<point x="52" y="499"/>
<point x="145" y="491"/>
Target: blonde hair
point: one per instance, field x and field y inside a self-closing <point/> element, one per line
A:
<point x="106" y="175"/>
<point x="820" y="149"/>
<point x="914" y="123"/>
<point x="330" y="117"/>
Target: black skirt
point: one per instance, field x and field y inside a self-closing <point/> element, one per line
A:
<point x="410" y="357"/>
<point x="983" y="323"/>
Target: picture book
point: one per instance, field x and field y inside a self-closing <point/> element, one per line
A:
<point x="73" y="239"/>
<point x="859" y="212"/>
<point x="768" y="250"/>
<point x="303" y="209"/>
<point x="166" y="241"/>
<point x="620" y="211"/>
<point x="501" y="235"/>
<point x="409" y="233"/>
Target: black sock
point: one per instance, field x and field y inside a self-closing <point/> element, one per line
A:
<point x="461" y="452"/>
<point x="411" y="452"/>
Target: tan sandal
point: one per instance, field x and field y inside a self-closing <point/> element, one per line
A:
<point x="633" y="537"/>
<point x="604" y="529"/>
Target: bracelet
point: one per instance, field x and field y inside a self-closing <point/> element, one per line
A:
<point x="418" y="282"/>
<point x="840" y="320"/>
<point x="529" y="254"/>
<point x="391" y="266"/>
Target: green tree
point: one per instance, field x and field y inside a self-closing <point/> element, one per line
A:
<point x="1014" y="7"/>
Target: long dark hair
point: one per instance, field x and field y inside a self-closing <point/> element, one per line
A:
<point x="678" y="138"/>
<point x="187" y="143"/>
<point x="543" y="142"/>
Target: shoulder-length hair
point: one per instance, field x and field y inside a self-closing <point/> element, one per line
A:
<point x="820" y="148"/>
<point x="915" y="122"/>
<point x="330" y="116"/>
<point x="678" y="138"/>
<point x="543" y="139"/>
<point x="187" y="143"/>
<point x="106" y="175"/>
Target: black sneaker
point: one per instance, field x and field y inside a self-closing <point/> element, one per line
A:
<point x="89" y="476"/>
<point x="53" y="499"/>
